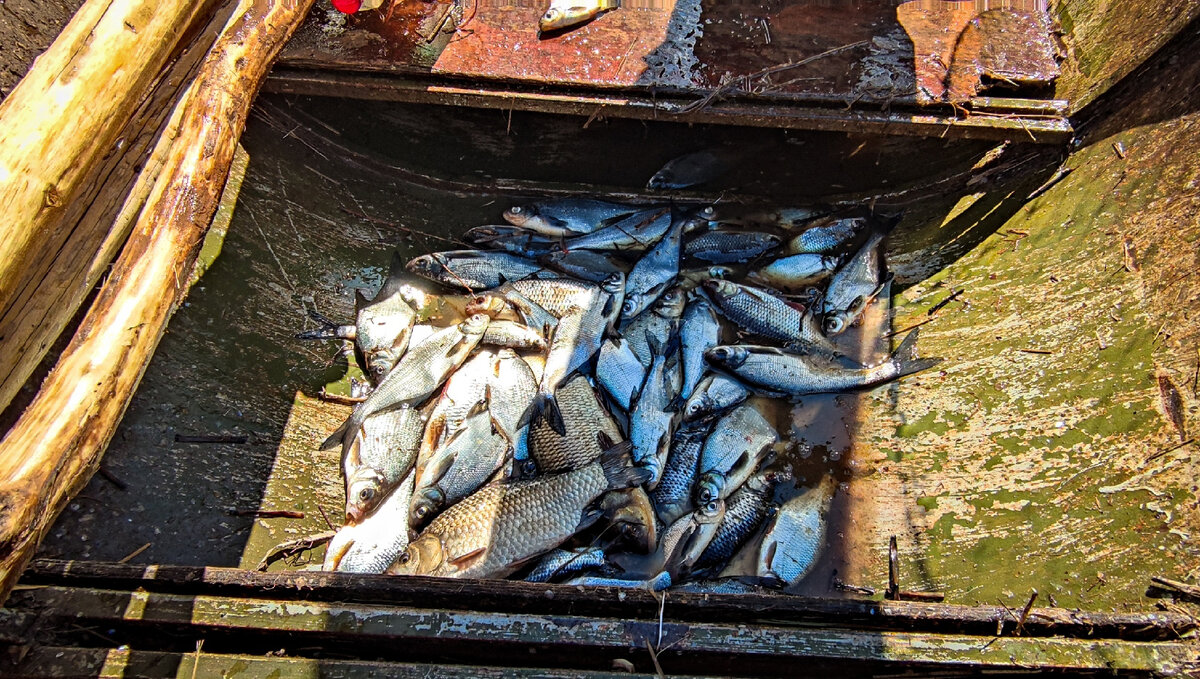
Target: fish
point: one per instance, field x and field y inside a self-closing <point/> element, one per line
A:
<point x="577" y="338"/>
<point x="740" y="442"/>
<point x="715" y="394"/>
<point x="567" y="13"/>
<point x="796" y="536"/>
<point x="826" y="235"/>
<point x="721" y="586"/>
<point x="638" y="231"/>
<point x="513" y="335"/>
<point x="512" y="239"/>
<point x="854" y="286"/>
<point x="511" y="386"/>
<point x="745" y="512"/>
<point x="422" y="370"/>
<point x="724" y="246"/>
<point x="632" y="514"/>
<point x="690" y="279"/>
<point x="553" y="296"/>
<point x="650" y="423"/>
<point x="762" y="313"/>
<point x="373" y="543"/>
<point x="590" y="430"/>
<point x="566" y="216"/>
<point x="673" y="495"/>
<point x="464" y="390"/>
<point x="690" y="169"/>
<point x="796" y="272"/>
<point x="380" y="457"/>
<point x="473" y="269"/>
<point x="653" y="274"/>
<point x="774" y="371"/>
<point x="461" y="465"/>
<point x="655" y="584"/>
<point x="657" y="321"/>
<point x="699" y="331"/>
<point x="560" y="563"/>
<point x="685" y="540"/>
<point x="502" y="527"/>
<point x="619" y="372"/>
<point x="588" y="265"/>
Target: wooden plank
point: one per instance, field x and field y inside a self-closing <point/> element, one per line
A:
<point x="56" y="445"/>
<point x="304" y="623"/>
<point x="1010" y="121"/>
<point x="500" y="596"/>
<point x="113" y="663"/>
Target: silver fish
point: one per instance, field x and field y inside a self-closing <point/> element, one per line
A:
<point x="372" y="544"/>
<point x="775" y="371"/>
<point x="560" y="563"/>
<point x="673" y="495"/>
<point x="502" y="526"/>
<point x="723" y="246"/>
<point x="513" y="335"/>
<point x="657" y="321"/>
<point x="795" y="537"/>
<point x="827" y="235"/>
<point x="854" y="286"/>
<point x="588" y="265"/>
<point x="473" y="270"/>
<point x="464" y="463"/>
<point x="685" y="540"/>
<point x="511" y="387"/>
<point x="638" y="231"/>
<point x="699" y="332"/>
<point x="715" y="394"/>
<point x="422" y="370"/>
<point x="567" y="216"/>
<point x="653" y="273"/>
<point x="745" y="512"/>
<point x="380" y="457"/>
<point x="576" y="339"/>
<point x="511" y="239"/>
<point x="620" y="372"/>
<point x="762" y="313"/>
<point x="691" y="169"/>
<point x="650" y="423"/>
<point x="740" y="442"/>
<point x="464" y="390"/>
<point x="796" y="272"/>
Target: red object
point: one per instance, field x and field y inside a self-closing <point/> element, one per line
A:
<point x="347" y="6"/>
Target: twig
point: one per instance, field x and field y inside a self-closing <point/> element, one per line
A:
<point x="268" y="513"/>
<point x="914" y="326"/>
<point x="658" y="670"/>
<point x="185" y="438"/>
<point x="893" y="588"/>
<point x="1057" y="177"/>
<point x="1170" y="450"/>
<point x="1035" y="351"/>
<point x="732" y="85"/>
<point x="112" y="478"/>
<point x="325" y="516"/>
<point x="846" y="587"/>
<point x="196" y="661"/>
<point x="293" y="547"/>
<point x="908" y="595"/>
<point x="340" y="399"/>
<point x="938" y="307"/>
<point x="133" y="555"/>
<point x="1025" y="613"/>
<point x="1183" y="590"/>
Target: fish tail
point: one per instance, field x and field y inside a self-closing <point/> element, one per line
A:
<point x="905" y="358"/>
<point x="335" y="439"/>
<point x="329" y="330"/>
<point x="619" y="469"/>
<point x="545" y="405"/>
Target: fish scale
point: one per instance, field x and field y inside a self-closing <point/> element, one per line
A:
<point x="673" y="495"/>
<point x="721" y="246"/>
<point x="745" y="511"/>
<point x="585" y="419"/>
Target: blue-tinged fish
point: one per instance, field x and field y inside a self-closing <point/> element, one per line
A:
<point x="745" y="512"/>
<point x="739" y="444"/>
<point x="561" y="563"/>
<point x="854" y="286"/>
<point x="620" y="372"/>
<point x="827" y="235"/>
<point x="650" y="423"/>
<point x="795" y="538"/>
<point x="653" y="274"/>
<point x="796" y="272"/>
<point x="699" y="331"/>
<point x="673" y="495"/>
<point x="725" y="246"/>
<point x="566" y="217"/>
<point x="473" y="270"/>
<point x="715" y="394"/>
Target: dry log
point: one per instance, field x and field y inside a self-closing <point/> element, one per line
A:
<point x="62" y="125"/>
<point x="57" y="444"/>
<point x="88" y="233"/>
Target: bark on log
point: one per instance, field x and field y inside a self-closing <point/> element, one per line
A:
<point x="84" y="238"/>
<point x="56" y="445"/>
<point x="66" y="115"/>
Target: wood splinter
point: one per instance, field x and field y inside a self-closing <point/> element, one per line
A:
<point x="893" y="589"/>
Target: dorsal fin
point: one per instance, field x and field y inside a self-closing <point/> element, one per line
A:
<point x="395" y="278"/>
<point x="360" y="300"/>
<point x="467" y="560"/>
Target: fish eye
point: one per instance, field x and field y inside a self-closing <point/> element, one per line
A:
<point x="833" y="324"/>
<point x="405" y="558"/>
<point x="529" y="468"/>
<point x="421" y="511"/>
<point x="517" y="209"/>
<point x="366" y="494"/>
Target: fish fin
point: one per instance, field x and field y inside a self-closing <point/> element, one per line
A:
<point x="618" y="467"/>
<point x="360" y="300"/>
<point x="437" y="467"/>
<point x="604" y="440"/>
<point x="335" y="439"/>
<point x="545" y="405"/>
<point x="608" y="306"/>
<point x="905" y="357"/>
<point x="329" y="329"/>
<point x="656" y="347"/>
<point x="469" y="559"/>
<point x="397" y="272"/>
<point x="589" y="516"/>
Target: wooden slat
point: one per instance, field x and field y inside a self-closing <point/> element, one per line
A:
<point x="500" y="596"/>
<point x="760" y="647"/>
<point x="103" y="663"/>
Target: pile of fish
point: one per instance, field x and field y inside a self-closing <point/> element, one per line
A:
<point x="590" y="396"/>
